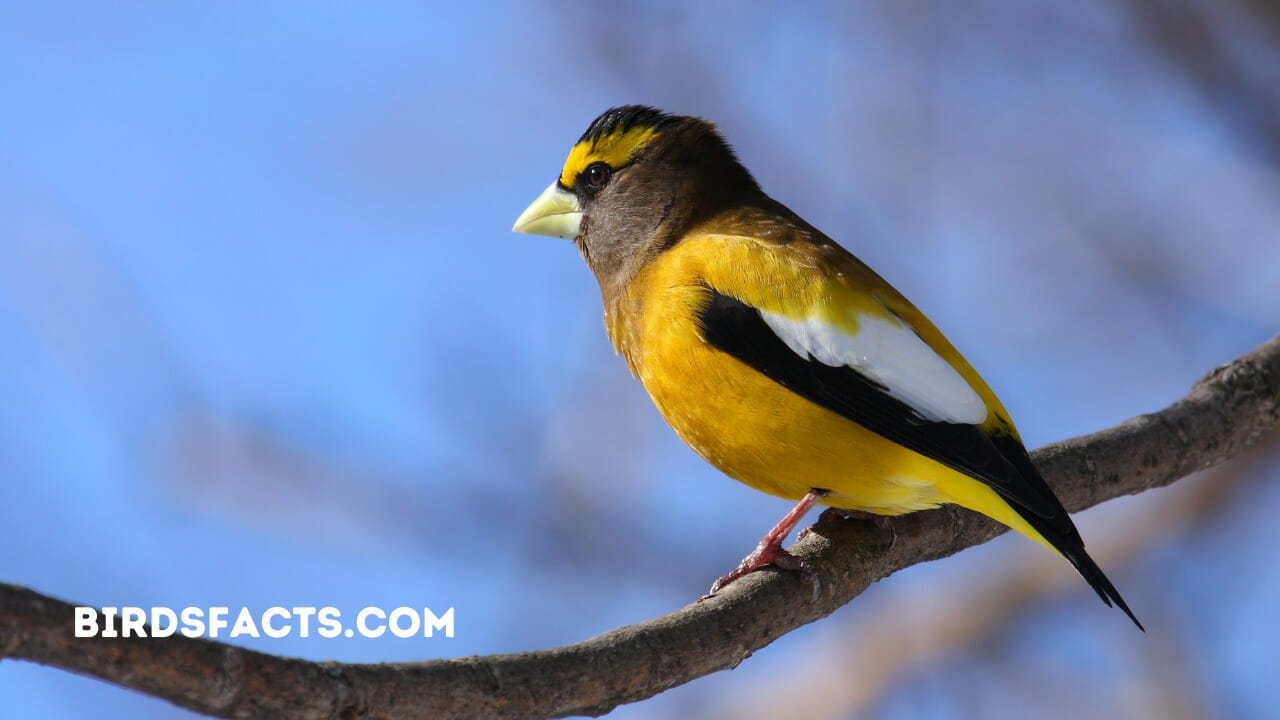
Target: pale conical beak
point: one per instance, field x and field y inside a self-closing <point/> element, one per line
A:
<point x="556" y="213"/>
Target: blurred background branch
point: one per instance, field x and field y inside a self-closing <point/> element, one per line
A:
<point x="1229" y="52"/>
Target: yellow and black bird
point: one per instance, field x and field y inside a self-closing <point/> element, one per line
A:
<point x="776" y="354"/>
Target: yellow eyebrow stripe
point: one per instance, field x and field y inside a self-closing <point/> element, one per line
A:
<point x="615" y="149"/>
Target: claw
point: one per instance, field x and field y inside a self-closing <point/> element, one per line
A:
<point x="770" y="552"/>
<point x="771" y="555"/>
<point x="803" y="568"/>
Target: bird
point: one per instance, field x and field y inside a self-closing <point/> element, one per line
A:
<point x="777" y="355"/>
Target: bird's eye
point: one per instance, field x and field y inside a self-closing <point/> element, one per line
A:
<point x="598" y="176"/>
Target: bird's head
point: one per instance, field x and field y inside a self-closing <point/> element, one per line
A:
<point x="635" y="182"/>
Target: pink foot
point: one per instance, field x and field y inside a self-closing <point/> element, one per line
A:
<point x="767" y="555"/>
<point x="770" y="552"/>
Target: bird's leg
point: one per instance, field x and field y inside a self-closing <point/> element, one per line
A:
<point x="770" y="552"/>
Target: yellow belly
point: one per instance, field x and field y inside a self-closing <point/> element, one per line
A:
<point x="773" y="440"/>
<point x="762" y="434"/>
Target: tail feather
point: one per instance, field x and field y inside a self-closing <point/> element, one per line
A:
<point x="1066" y="540"/>
<point x="1056" y="532"/>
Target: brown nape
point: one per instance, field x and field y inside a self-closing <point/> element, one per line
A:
<point x="687" y="176"/>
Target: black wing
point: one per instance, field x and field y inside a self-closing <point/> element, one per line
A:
<point x="738" y="329"/>
<point x="999" y="460"/>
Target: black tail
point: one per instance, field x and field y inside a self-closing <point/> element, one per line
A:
<point x="1058" y="528"/>
<point x="1062" y="535"/>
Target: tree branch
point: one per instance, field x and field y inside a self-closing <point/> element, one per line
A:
<point x="1224" y="414"/>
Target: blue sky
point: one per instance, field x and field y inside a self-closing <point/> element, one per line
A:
<point x="266" y="337"/>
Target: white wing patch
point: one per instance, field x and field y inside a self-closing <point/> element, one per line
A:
<point x="889" y="352"/>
